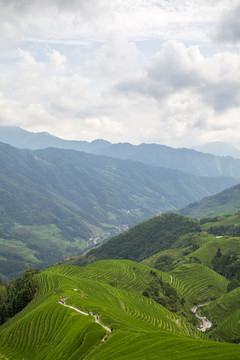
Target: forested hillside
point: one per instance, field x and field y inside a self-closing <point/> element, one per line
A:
<point x="143" y="240"/>
<point x="57" y="203"/>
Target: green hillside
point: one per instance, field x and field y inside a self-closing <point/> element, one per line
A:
<point x="225" y="314"/>
<point x="225" y="202"/>
<point x="143" y="240"/>
<point x="58" y="203"/>
<point x="196" y="279"/>
<point x="207" y="247"/>
<point x="142" y="329"/>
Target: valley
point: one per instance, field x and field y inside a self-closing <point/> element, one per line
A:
<point x="110" y="305"/>
<point x="58" y="203"/>
<point x="116" y="280"/>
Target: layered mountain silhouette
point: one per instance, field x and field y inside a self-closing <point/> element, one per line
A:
<point x="186" y="160"/>
<point x="53" y="201"/>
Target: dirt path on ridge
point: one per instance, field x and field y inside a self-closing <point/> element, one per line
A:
<point x="96" y="318"/>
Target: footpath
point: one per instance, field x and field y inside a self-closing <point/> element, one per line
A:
<point x="96" y="318"/>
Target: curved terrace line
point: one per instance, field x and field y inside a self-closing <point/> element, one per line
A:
<point x="96" y="318"/>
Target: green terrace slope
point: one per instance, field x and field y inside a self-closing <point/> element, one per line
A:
<point x="225" y="202"/>
<point x="197" y="283"/>
<point x="208" y="246"/>
<point x="208" y="250"/>
<point x="225" y="314"/>
<point x="142" y="329"/>
<point x="74" y="197"/>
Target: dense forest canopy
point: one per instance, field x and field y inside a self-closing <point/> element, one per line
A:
<point x="16" y="294"/>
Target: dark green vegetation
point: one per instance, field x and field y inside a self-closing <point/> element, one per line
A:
<point x="53" y="201"/>
<point x="163" y="293"/>
<point x="142" y="329"/>
<point x="228" y="265"/>
<point x="143" y="240"/>
<point x="226" y="202"/>
<point x="16" y="294"/>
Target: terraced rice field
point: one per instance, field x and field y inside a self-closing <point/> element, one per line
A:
<point x="123" y="274"/>
<point x="173" y="253"/>
<point x="208" y="250"/>
<point x="225" y="313"/>
<point x="228" y="330"/>
<point x="142" y="329"/>
<point x="168" y="346"/>
<point x="197" y="283"/>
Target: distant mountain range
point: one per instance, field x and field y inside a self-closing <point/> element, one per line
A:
<point x="219" y="148"/>
<point x="24" y="139"/>
<point x="186" y="160"/>
<point x="54" y="200"/>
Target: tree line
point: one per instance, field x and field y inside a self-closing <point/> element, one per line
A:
<point x="16" y="294"/>
<point x="228" y="265"/>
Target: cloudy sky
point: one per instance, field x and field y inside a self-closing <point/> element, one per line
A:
<point x="163" y="71"/>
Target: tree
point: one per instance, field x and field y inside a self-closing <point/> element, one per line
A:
<point x="233" y="284"/>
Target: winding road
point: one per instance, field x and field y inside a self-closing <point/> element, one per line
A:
<point x="206" y="324"/>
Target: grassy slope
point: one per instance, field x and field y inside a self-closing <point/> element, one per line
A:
<point x="209" y="249"/>
<point x="225" y="314"/>
<point x="225" y="202"/>
<point x="173" y="253"/>
<point x="197" y="283"/>
<point x="47" y="330"/>
<point x="38" y="246"/>
<point x="223" y="220"/>
<point x="208" y="246"/>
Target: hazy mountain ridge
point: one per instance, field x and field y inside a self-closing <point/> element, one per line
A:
<point x="23" y="139"/>
<point x="186" y="160"/>
<point x="219" y="148"/>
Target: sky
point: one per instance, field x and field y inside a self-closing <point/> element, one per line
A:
<point x="138" y="71"/>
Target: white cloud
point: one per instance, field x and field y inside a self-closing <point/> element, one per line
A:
<point x="179" y="96"/>
<point x="215" y="80"/>
<point x="106" y="126"/>
<point x="93" y="19"/>
<point x="115" y="58"/>
<point x="227" y="29"/>
<point x="194" y="96"/>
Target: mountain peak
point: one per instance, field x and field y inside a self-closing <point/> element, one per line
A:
<point x="219" y="148"/>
